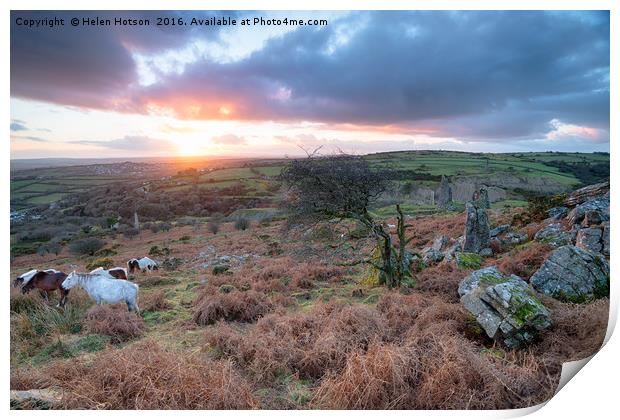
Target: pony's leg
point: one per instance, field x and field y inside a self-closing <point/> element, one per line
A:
<point x="47" y="297"/>
<point x="63" y="298"/>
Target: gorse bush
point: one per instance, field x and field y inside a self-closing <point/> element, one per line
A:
<point x="100" y="262"/>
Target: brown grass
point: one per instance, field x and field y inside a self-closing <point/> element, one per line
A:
<point x="114" y="321"/>
<point x="441" y="280"/>
<point x="524" y="261"/>
<point x="144" y="376"/>
<point x="249" y="306"/>
<point x="155" y="301"/>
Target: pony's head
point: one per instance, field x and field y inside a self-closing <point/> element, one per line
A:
<point x="70" y="281"/>
<point x="27" y="287"/>
<point x="24" y="278"/>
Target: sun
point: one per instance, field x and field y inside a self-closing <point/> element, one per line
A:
<point x="188" y="147"/>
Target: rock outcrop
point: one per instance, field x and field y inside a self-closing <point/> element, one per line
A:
<point x="590" y="239"/>
<point x="476" y="229"/>
<point x="586" y="193"/>
<point x="499" y="230"/>
<point x="573" y="274"/>
<point x="505" y="307"/>
<point x="554" y="235"/>
<point x="557" y="213"/>
<point x="598" y="205"/>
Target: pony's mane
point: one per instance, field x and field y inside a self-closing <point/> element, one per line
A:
<point x="27" y="276"/>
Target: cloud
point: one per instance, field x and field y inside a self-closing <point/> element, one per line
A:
<point x="31" y="138"/>
<point x="481" y="76"/>
<point x="143" y="144"/>
<point x="18" y="125"/>
<point x="229" y="139"/>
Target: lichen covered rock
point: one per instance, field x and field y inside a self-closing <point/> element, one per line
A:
<point x="477" y="235"/>
<point x="504" y="306"/>
<point x="554" y="235"/>
<point x="573" y="274"/>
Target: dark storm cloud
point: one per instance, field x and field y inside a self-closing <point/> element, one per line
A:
<point x="479" y="76"/>
<point x="87" y="66"/>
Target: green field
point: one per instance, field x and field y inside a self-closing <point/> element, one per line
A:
<point x="424" y="168"/>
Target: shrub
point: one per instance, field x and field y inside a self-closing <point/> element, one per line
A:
<point x="227" y="288"/>
<point x="172" y="263"/>
<point x="100" y="262"/>
<point x="115" y="321"/>
<point x="86" y="246"/>
<point x="213" y="227"/>
<point x="221" y="269"/>
<point x="156" y="251"/>
<point x="242" y="223"/>
<point x="131" y="232"/>
<point x="234" y="306"/>
<point x="185" y="238"/>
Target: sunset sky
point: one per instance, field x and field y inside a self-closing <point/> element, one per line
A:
<point x="366" y="82"/>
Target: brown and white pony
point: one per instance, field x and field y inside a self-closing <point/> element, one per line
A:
<point x="116" y="272"/>
<point x="48" y="281"/>
<point x="143" y="264"/>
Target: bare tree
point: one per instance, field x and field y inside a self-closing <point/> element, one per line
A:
<point x="344" y="187"/>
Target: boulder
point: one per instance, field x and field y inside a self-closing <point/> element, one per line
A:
<point x="586" y="193"/>
<point x="440" y="242"/>
<point x="605" y="239"/>
<point x="573" y="274"/>
<point x="499" y="230"/>
<point x="45" y="398"/>
<point x="444" y="194"/>
<point x="476" y="229"/>
<point x="504" y="306"/>
<point x="431" y="256"/>
<point x="598" y="204"/>
<point x="590" y="239"/>
<point x="592" y="218"/>
<point x="454" y="248"/>
<point x="554" y="235"/>
<point x="515" y="238"/>
<point x="557" y="213"/>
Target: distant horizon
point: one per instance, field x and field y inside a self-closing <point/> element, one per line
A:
<point x="365" y="82"/>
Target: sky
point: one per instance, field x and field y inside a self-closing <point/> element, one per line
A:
<point x="366" y="82"/>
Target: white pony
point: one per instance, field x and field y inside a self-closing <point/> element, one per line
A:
<point x="105" y="289"/>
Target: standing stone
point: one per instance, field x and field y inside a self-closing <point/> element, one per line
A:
<point x="477" y="235"/>
<point x="444" y="194"/>
<point x="481" y="198"/>
<point x="136" y="221"/>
